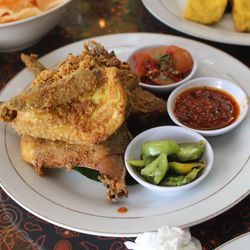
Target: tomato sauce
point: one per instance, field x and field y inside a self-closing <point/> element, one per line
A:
<point x="206" y="108"/>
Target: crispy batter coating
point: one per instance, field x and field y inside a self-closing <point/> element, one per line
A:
<point x="105" y="157"/>
<point x="91" y="120"/>
<point x="32" y="63"/>
<point x="81" y="101"/>
<point x="80" y="83"/>
<point x="140" y="101"/>
<point x="76" y="124"/>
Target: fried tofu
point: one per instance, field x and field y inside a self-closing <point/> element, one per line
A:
<point x="205" y="11"/>
<point x="241" y="15"/>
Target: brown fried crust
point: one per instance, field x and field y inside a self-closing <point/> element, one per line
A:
<point x="66" y="90"/>
<point x="90" y="119"/>
<point x="104" y="157"/>
<point x="32" y="63"/>
<point x="43" y="153"/>
<point x="140" y="101"/>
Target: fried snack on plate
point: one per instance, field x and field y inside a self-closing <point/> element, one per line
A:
<point x="205" y="11"/>
<point x="14" y="10"/>
<point x="78" y="102"/>
<point x="104" y="157"/>
<point x="140" y="101"/>
<point x="31" y="62"/>
<point x="241" y="15"/>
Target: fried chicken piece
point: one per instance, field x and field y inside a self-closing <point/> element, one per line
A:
<point x="92" y="118"/>
<point x="105" y="157"/>
<point x="32" y="63"/>
<point x="115" y="184"/>
<point x="140" y="101"/>
<point x="43" y="153"/>
<point x="80" y="83"/>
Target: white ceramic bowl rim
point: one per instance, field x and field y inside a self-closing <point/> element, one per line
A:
<point x="143" y="182"/>
<point x="172" y="85"/>
<point x="201" y="81"/>
<point x="4" y="25"/>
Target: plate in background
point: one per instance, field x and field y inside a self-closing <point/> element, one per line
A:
<point x="171" y="13"/>
<point x="241" y="242"/>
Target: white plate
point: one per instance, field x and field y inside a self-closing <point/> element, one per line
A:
<point x="241" y="242"/>
<point x="72" y="201"/>
<point x="171" y="13"/>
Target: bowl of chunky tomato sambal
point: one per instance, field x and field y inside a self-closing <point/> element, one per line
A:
<point x="162" y="68"/>
<point x="208" y="105"/>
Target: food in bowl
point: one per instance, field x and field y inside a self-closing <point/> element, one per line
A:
<point x="162" y="65"/>
<point x="206" y="108"/>
<point x="167" y="163"/>
<point x="190" y="153"/>
<point x="14" y="10"/>
<point x="19" y="33"/>
<point x="208" y="105"/>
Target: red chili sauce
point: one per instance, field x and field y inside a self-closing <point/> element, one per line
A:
<point x="206" y="108"/>
<point x="122" y="210"/>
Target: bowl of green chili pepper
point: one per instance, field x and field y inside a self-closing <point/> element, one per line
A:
<point x="169" y="158"/>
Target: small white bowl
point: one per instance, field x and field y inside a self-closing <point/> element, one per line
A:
<point x="180" y="135"/>
<point x="222" y="84"/>
<point x="24" y="33"/>
<point x="163" y="88"/>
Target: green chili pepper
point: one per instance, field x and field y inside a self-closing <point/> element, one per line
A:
<point x="156" y="170"/>
<point x="191" y="151"/>
<point x="153" y="148"/>
<point x="184" y="168"/>
<point x="148" y="159"/>
<point x="180" y="180"/>
<point x="136" y="163"/>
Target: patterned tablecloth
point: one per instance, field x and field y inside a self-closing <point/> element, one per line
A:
<point x="20" y="229"/>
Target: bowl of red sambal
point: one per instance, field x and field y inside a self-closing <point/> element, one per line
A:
<point x="208" y="105"/>
<point x="162" y="68"/>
